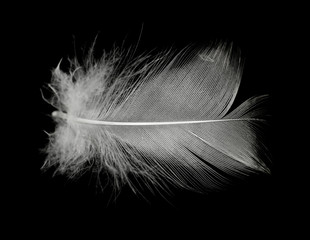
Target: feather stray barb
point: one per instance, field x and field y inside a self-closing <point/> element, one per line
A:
<point x="166" y="119"/>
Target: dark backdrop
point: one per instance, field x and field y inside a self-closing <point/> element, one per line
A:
<point x="42" y="38"/>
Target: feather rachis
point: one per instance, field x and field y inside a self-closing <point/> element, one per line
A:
<point x="163" y="119"/>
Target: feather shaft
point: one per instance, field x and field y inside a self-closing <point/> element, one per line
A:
<point x="110" y="123"/>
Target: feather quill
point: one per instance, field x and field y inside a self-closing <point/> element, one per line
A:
<point x="165" y="119"/>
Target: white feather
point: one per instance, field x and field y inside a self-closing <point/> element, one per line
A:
<point x="164" y="118"/>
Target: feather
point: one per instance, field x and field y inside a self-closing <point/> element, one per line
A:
<point x="164" y="119"/>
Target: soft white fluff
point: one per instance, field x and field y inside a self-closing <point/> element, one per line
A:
<point x="162" y="118"/>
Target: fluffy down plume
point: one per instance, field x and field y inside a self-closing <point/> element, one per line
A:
<point x="162" y="119"/>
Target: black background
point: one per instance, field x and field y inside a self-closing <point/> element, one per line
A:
<point x="42" y="36"/>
